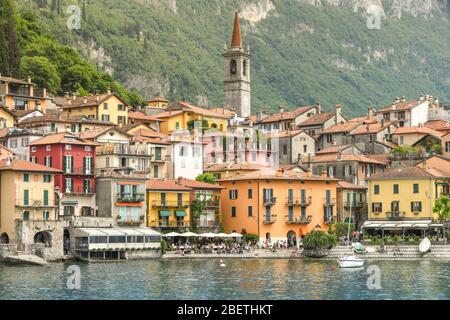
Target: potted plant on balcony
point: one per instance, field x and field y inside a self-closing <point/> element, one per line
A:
<point x="317" y="244"/>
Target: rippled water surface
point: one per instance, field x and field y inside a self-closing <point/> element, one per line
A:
<point x="240" y="279"/>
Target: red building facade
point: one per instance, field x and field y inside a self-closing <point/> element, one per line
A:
<point x="75" y="157"/>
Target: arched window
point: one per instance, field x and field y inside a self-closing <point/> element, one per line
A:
<point x="244" y="67"/>
<point x="233" y="67"/>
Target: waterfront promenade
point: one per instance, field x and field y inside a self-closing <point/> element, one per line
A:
<point x="441" y="252"/>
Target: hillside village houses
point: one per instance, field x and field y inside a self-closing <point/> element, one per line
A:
<point x="97" y="179"/>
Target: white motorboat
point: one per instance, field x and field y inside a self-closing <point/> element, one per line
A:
<point x="425" y="245"/>
<point x="351" y="262"/>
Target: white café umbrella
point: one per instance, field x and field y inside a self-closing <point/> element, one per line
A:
<point x="222" y="235"/>
<point x="189" y="235"/>
<point x="235" y="235"/>
<point x="207" y="235"/>
<point x="171" y="235"/>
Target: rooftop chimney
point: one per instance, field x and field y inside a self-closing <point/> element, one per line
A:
<point x="29" y="79"/>
<point x="281" y="108"/>
<point x="309" y="173"/>
<point x="109" y="90"/>
<point x="74" y="97"/>
<point x="337" y="113"/>
<point x="85" y="100"/>
<point x="319" y="108"/>
<point x="98" y="98"/>
<point x="370" y="113"/>
<point x="66" y="95"/>
<point x="421" y="97"/>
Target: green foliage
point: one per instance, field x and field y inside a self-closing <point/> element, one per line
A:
<point x="163" y="246"/>
<point x="318" y="240"/>
<point x="405" y="150"/>
<point x="206" y="177"/>
<point x="43" y="73"/>
<point x="191" y="124"/>
<point x="442" y="208"/>
<point x="340" y="229"/>
<point x="24" y="38"/>
<point x="253" y="238"/>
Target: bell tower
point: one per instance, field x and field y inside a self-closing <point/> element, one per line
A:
<point x="237" y="83"/>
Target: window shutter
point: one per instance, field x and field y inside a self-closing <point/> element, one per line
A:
<point x="65" y="163"/>
<point x="71" y="164"/>
<point x="373" y="207"/>
<point x="45" y="197"/>
<point x="25" y="197"/>
<point x="84" y="165"/>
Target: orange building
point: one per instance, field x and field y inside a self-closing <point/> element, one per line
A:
<point x="281" y="205"/>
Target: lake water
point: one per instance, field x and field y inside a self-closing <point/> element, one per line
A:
<point x="240" y="279"/>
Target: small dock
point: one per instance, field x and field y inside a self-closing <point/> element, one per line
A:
<point x="25" y="259"/>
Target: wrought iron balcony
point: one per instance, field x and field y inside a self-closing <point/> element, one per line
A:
<point x="395" y="215"/>
<point x="329" y="202"/>
<point x="299" y="202"/>
<point x="270" y="219"/>
<point x="329" y="219"/>
<point x="130" y="198"/>
<point x="270" y="201"/>
<point x="298" y="219"/>
<point x="354" y="205"/>
<point x="170" y="204"/>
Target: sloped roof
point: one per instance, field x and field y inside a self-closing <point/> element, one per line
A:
<point x="334" y="157"/>
<point x="194" y="184"/>
<point x="406" y="105"/>
<point x="399" y="173"/>
<point x="351" y="186"/>
<point x="96" y="132"/>
<point x="167" y="185"/>
<point x="342" y="127"/>
<point x="422" y="130"/>
<point x="233" y="167"/>
<point x="88" y="101"/>
<point x="13" y="80"/>
<point x="158" y="99"/>
<point x="22" y="165"/>
<point x="438" y="125"/>
<point x="370" y="128"/>
<point x="62" y="137"/>
<point x="138" y="115"/>
<point x="287" y="115"/>
<point x="185" y="106"/>
<point x="334" y="149"/>
<point x="317" y="119"/>
<point x="270" y="174"/>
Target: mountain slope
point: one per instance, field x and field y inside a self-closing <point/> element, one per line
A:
<point x="304" y="51"/>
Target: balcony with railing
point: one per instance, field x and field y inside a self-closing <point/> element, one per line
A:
<point x="173" y="224"/>
<point x="130" y="197"/>
<point x="329" y="202"/>
<point x="208" y="224"/>
<point x="79" y="191"/>
<point x="79" y="171"/>
<point x="170" y="204"/>
<point x="270" y="219"/>
<point x="298" y="219"/>
<point x="131" y="221"/>
<point x="19" y="91"/>
<point x="395" y="215"/>
<point x="211" y="203"/>
<point x="328" y="219"/>
<point x="122" y="149"/>
<point x="269" y="201"/>
<point x="299" y="202"/>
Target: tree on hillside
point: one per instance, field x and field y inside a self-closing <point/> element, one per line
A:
<point x="206" y="177"/>
<point x="43" y="73"/>
<point x="9" y="48"/>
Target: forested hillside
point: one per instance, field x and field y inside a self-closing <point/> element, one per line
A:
<point x="304" y="51"/>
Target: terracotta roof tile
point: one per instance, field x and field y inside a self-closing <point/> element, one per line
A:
<point x="95" y="100"/>
<point x="22" y="165"/>
<point x="138" y="115"/>
<point x="334" y="149"/>
<point x="438" y="125"/>
<point x="287" y="115"/>
<point x="407" y="105"/>
<point x="399" y="173"/>
<point x="62" y="137"/>
<point x="166" y="185"/>
<point x="370" y="128"/>
<point x="158" y="99"/>
<point x="342" y="127"/>
<point x="423" y="130"/>
<point x="197" y="184"/>
<point x="317" y="119"/>
<point x="348" y="185"/>
<point x="271" y="174"/>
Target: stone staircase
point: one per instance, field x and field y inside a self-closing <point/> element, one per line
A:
<point x="397" y="252"/>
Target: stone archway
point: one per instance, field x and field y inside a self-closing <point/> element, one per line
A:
<point x="4" y="238"/>
<point x="292" y="239"/>
<point x="43" y="237"/>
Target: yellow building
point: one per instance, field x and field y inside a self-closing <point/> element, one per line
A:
<point x="403" y="198"/>
<point x="27" y="197"/>
<point x="107" y="107"/>
<point x="179" y="115"/>
<point x="16" y="94"/>
<point x="168" y="204"/>
<point x="158" y="103"/>
<point x="7" y="118"/>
